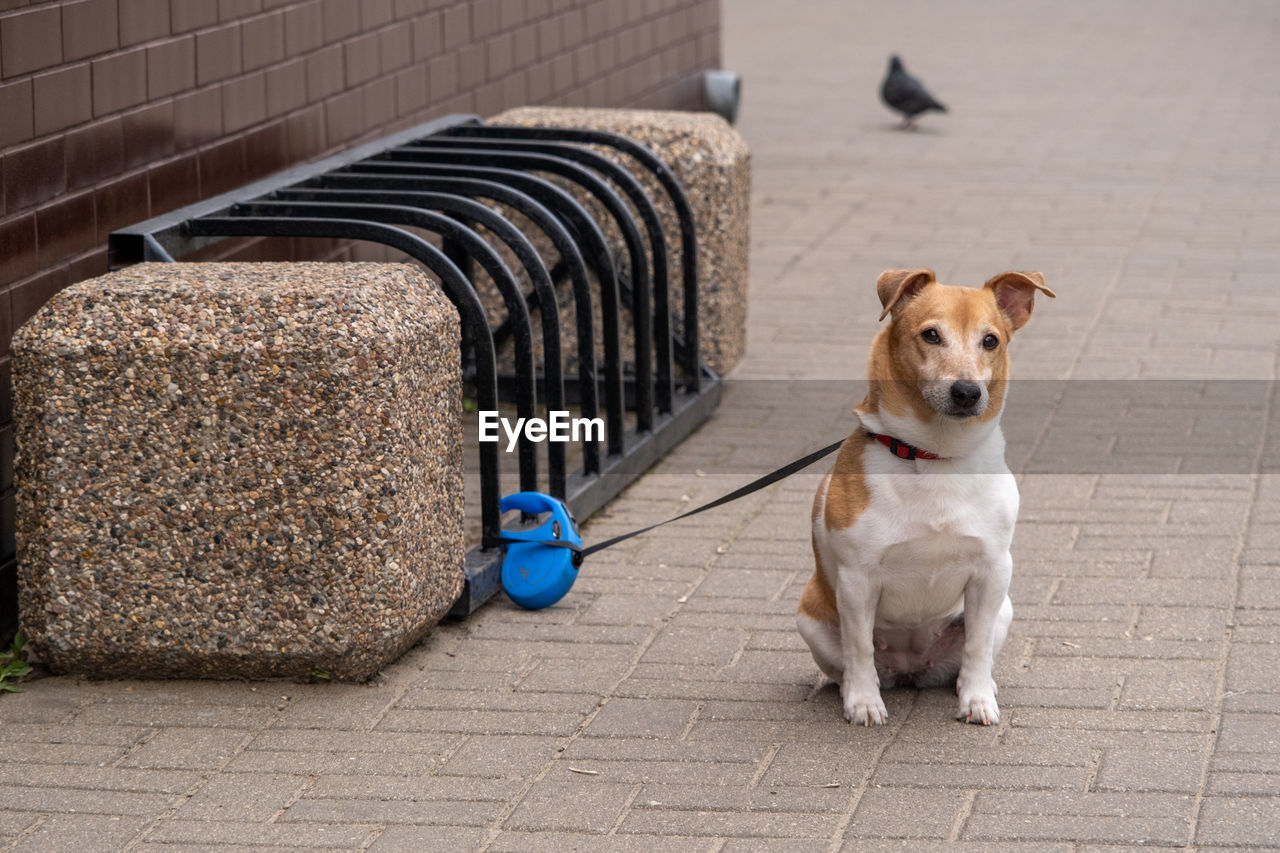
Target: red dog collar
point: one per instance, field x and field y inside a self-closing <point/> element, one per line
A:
<point x="901" y="449"/>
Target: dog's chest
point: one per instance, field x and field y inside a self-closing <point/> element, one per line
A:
<point x="924" y="537"/>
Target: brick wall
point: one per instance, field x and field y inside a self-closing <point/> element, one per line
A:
<point x="112" y="111"/>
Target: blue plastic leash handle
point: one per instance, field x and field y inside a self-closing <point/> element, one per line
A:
<point x="540" y="564"/>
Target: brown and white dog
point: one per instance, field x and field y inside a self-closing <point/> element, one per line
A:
<point x="912" y="526"/>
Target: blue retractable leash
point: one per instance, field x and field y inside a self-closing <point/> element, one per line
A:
<point x="542" y="562"/>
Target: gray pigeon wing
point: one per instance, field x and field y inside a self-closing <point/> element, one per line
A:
<point x="905" y="94"/>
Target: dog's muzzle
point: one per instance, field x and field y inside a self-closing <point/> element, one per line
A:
<point x="962" y="398"/>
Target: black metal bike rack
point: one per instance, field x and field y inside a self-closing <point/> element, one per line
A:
<point x="445" y="177"/>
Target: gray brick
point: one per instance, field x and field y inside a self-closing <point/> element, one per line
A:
<point x="187" y="749"/>
<point x="1247" y="821"/>
<point x="240" y="798"/>
<point x="556" y="842"/>
<point x="720" y="824"/>
<point x="907" y="813"/>
<point x="565" y="801"/>
<point x="659" y="718"/>
<point x="83" y="832"/>
<point x="225" y="833"/>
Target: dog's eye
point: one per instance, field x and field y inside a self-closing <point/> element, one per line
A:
<point x="990" y="342"/>
<point x="931" y="336"/>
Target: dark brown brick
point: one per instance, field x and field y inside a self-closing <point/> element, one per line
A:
<point x="17" y="247"/>
<point x="525" y="47"/>
<point x="303" y="28"/>
<point x="65" y="227"/>
<point x="173" y="184"/>
<point x="123" y="202"/>
<point x="286" y="87"/>
<point x="87" y="266"/>
<point x="549" y="37"/>
<point x="324" y="73"/>
<point x="34" y="173"/>
<point x="187" y="15"/>
<point x="428" y="36"/>
<point x="513" y="13"/>
<point x="411" y="90"/>
<point x="89" y="27"/>
<point x="409" y="8"/>
<point x="19" y="113"/>
<point x="244" y="102"/>
<point x="375" y="13"/>
<point x="540" y="82"/>
<point x="395" y="47"/>
<point x="262" y="40"/>
<point x="119" y="81"/>
<point x="499" y="52"/>
<point x="341" y="19"/>
<point x="30" y="41"/>
<point x="471" y="66"/>
<point x="148" y="134"/>
<point x="222" y="167"/>
<point x="94" y="153"/>
<point x="266" y="150"/>
<point x="234" y="10"/>
<point x="62" y="98"/>
<point x="305" y="134"/>
<point x="457" y="27"/>
<point x="143" y="20"/>
<point x="360" y="58"/>
<point x="484" y="18"/>
<point x="171" y="67"/>
<point x="197" y="118"/>
<point x="379" y="102"/>
<point x="28" y="297"/>
<point x="596" y="19"/>
<point x="218" y="54"/>
<point x="572" y="31"/>
<point x="343" y="117"/>
<point x="442" y="77"/>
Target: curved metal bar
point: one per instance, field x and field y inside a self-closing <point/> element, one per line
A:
<point x="641" y="317"/>
<point x="474" y="244"/>
<point x="394" y="174"/>
<point x="648" y="214"/>
<point x="452" y="281"/>
<point x="457" y="206"/>
<point x="541" y="217"/>
<point x="675" y="191"/>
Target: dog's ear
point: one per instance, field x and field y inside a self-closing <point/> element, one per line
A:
<point x="898" y="286"/>
<point x="1015" y="294"/>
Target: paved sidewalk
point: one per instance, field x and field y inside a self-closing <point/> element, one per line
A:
<point x="1130" y="151"/>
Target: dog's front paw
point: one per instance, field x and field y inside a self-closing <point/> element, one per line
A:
<point x="978" y="701"/>
<point x="866" y="709"/>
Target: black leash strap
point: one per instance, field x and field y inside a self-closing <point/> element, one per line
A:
<point x="754" y="486"/>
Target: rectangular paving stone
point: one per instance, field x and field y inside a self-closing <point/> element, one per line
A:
<point x="187" y="748"/>
<point x="556" y="842"/>
<point x="907" y="813"/>
<point x="1244" y="821"/>
<point x="656" y="718"/>
<point x="227" y="833"/>
<point x="412" y="839"/>
<point x="241" y="799"/>
<point x="437" y="812"/>
<point x="84" y="832"/>
<point x="564" y="801"/>
<point x="749" y="824"/>
<point x="122" y="803"/>
<point x="501" y="756"/>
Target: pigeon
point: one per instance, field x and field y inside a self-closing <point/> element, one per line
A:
<point x="904" y="93"/>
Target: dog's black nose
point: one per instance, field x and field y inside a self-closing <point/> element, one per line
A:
<point x="965" y="394"/>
